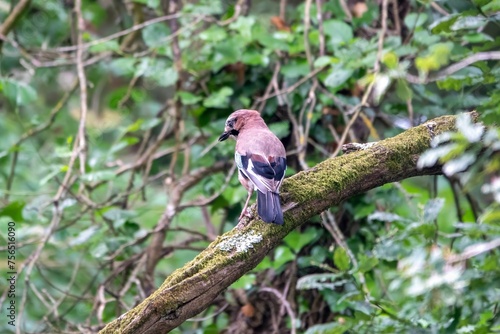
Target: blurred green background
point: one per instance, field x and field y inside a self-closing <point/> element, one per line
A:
<point x="419" y="256"/>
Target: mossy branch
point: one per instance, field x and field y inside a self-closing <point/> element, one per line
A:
<point x="191" y="289"/>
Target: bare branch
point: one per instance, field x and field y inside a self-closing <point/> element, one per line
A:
<point x="481" y="56"/>
<point x="14" y="15"/>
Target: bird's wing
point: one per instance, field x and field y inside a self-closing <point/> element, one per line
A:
<point x="266" y="173"/>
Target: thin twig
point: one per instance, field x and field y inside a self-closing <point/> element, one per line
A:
<point x="12" y="172"/>
<point x="481" y="56"/>
<point x="356" y="110"/>
<point x="15" y="14"/>
<point x="285" y="303"/>
<point x="295" y="85"/>
<point x="338" y="236"/>
<point x="474" y="250"/>
<point x="82" y="78"/>
<point x="319" y="16"/>
<point x="52" y="116"/>
<point x="117" y="34"/>
<point x="283" y="9"/>
<point x="346" y="10"/>
<point x="307" y="25"/>
<point x="395" y="14"/>
<point x="439" y="9"/>
<point x="376" y="66"/>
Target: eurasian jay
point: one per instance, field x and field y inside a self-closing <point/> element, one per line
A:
<point x="261" y="160"/>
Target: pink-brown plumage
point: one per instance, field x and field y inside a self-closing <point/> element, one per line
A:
<point x="261" y="160"/>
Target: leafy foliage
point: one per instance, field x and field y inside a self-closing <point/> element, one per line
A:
<point x="418" y="256"/>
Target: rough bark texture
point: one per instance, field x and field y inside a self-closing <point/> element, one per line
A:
<point x="190" y="289"/>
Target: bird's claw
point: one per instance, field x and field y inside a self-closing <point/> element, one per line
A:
<point x="243" y="222"/>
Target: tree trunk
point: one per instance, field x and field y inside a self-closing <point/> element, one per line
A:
<point x="191" y="289"/>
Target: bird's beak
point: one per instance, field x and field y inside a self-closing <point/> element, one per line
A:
<point x="224" y="136"/>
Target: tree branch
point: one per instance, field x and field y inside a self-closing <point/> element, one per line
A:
<point x="480" y="56"/>
<point x="190" y="289"/>
<point x="14" y="15"/>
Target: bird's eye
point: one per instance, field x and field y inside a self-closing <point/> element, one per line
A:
<point x="230" y="122"/>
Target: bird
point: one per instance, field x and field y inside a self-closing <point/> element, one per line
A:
<point x="261" y="160"/>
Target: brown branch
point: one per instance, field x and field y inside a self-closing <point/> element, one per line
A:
<point x="481" y="56"/>
<point x="82" y="79"/>
<point x="14" y="15"/>
<point x="138" y="18"/>
<point x="295" y="85"/>
<point x="191" y="289"/>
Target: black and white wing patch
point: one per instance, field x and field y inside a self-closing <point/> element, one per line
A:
<point x="266" y="173"/>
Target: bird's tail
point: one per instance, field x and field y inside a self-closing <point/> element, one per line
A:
<point x="269" y="207"/>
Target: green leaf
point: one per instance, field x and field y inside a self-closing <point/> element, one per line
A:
<point x="367" y="263"/>
<point x="329" y="328"/>
<point x="123" y="66"/>
<point x="154" y="35"/>
<point x="469" y="22"/>
<point x="338" y="31"/>
<point x="443" y="25"/>
<point x="386" y="217"/>
<point x="83" y="236"/>
<point x="492" y="6"/>
<point x="17" y="92"/>
<point x="162" y="76"/>
<point x="280" y="129"/>
<point x="219" y="99"/>
<point x="341" y="259"/>
<point x="295" y="69"/>
<point x="99" y="250"/>
<point x="14" y="210"/>
<point x="106" y="46"/>
<point x="282" y="255"/>
<point x="244" y="26"/>
<point x="432" y="209"/>
<point x="391" y="60"/>
<point x="188" y="98"/>
<point x="339" y="74"/>
<point x="297" y="240"/>
<point x="414" y="20"/>
<point x="321" y="281"/>
<point x="254" y="58"/>
<point x="213" y="34"/>
<point x="244" y="282"/>
<point x="403" y="91"/>
<point x="323" y="61"/>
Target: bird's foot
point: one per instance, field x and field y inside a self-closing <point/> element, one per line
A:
<point x="244" y="222"/>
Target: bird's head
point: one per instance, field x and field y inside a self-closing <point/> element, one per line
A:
<point x="237" y="121"/>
